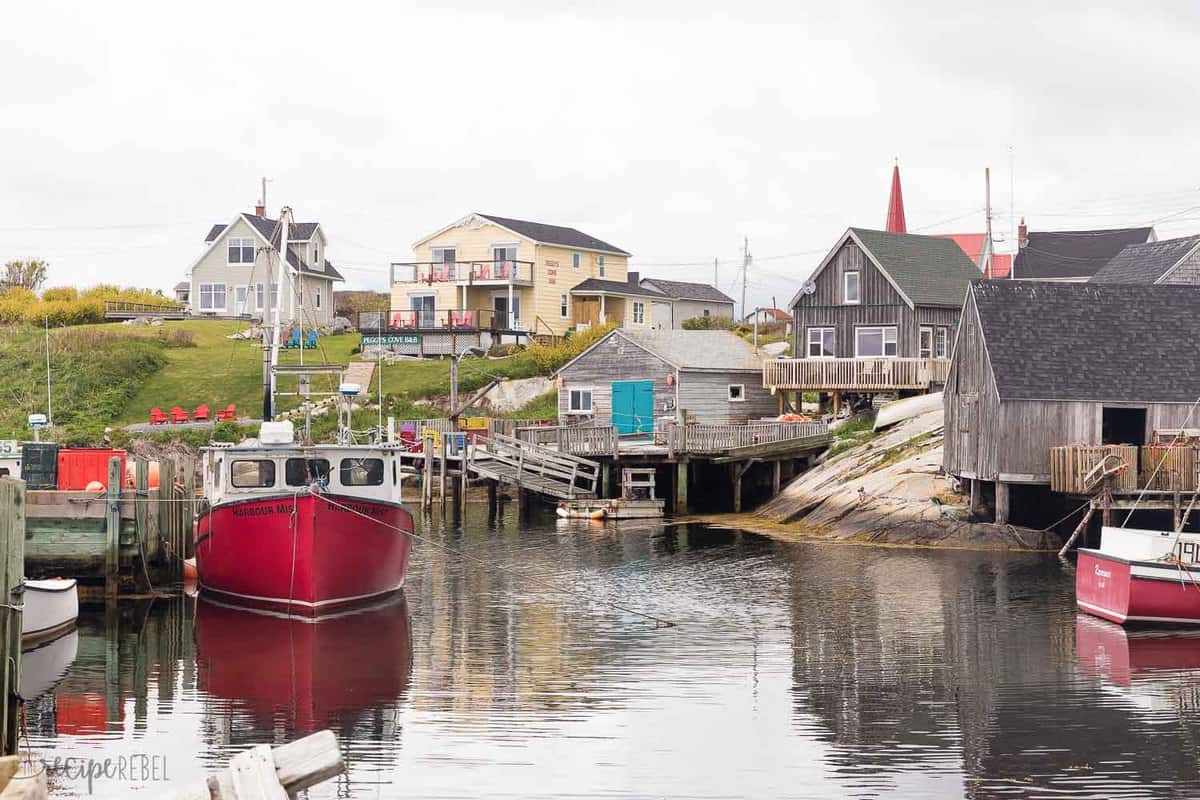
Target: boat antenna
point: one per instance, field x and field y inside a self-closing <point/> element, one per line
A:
<point x="379" y="369"/>
<point x="49" y="409"/>
<point x="269" y="401"/>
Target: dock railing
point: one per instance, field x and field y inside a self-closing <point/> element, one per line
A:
<point x="702" y="438"/>
<point x="531" y="461"/>
<point x="596" y="440"/>
<point x="854" y="374"/>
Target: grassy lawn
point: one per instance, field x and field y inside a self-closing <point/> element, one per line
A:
<point x="218" y="371"/>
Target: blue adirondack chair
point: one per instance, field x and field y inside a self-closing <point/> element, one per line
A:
<point x="312" y="340"/>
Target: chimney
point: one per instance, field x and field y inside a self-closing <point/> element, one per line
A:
<point x="634" y="278"/>
<point x="1022" y="234"/>
<point x="260" y="210"/>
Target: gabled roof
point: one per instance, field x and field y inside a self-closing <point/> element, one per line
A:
<point x="971" y="243"/>
<point x="182" y="286"/>
<point x="926" y="270"/>
<point x="1073" y="254"/>
<point x="297" y="231"/>
<point x="1148" y="262"/>
<point x="600" y="286"/>
<point x="696" y="351"/>
<point x="777" y="314"/>
<point x="992" y="264"/>
<point x="1091" y="341"/>
<point x="684" y="290"/>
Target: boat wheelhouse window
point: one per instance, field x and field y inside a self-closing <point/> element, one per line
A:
<point x="258" y="473"/>
<point x="361" y="472"/>
<point x="304" y="471"/>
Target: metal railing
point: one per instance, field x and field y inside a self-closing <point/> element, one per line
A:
<point x="864" y="374"/>
<point x="461" y="272"/>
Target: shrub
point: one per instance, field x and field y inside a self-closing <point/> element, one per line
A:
<point x="708" y="324"/>
<point x="61" y="293"/>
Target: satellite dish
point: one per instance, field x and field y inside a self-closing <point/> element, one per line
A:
<point x="808" y="288"/>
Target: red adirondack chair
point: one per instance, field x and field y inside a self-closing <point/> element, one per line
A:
<point x="227" y="413"/>
<point x="201" y="413"/>
<point x="157" y="417"/>
<point x="179" y="415"/>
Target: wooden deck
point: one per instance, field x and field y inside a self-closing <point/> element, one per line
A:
<point x="119" y="310"/>
<point x="854" y="374"/>
<point x="672" y="441"/>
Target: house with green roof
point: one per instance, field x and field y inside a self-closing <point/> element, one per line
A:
<point x="877" y="316"/>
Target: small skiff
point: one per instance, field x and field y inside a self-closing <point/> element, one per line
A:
<point x="1139" y="576"/>
<point x="906" y="408"/>
<point x="567" y="511"/>
<point x="51" y="608"/>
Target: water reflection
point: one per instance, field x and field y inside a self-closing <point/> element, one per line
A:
<point x="795" y="670"/>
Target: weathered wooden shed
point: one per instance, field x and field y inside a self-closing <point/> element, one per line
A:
<point x="629" y="378"/>
<point x="1044" y="364"/>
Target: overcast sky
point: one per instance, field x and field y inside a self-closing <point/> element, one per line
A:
<point x="669" y="129"/>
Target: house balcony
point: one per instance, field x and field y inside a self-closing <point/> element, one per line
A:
<point x="463" y="273"/>
<point x="854" y="374"/>
<point x="436" y="320"/>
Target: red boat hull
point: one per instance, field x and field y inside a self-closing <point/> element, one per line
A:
<point x="1126" y="591"/>
<point x="304" y="555"/>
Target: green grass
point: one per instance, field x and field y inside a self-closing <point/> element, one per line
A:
<point x="544" y="406"/>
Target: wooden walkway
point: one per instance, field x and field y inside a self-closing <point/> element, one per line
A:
<point x="535" y="468"/>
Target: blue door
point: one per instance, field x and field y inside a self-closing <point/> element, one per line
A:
<point x="633" y="407"/>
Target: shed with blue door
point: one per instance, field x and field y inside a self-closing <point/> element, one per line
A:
<point x="630" y="378"/>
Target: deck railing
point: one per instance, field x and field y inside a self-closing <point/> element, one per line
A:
<point x="462" y="272"/>
<point x="706" y="438"/>
<point x="431" y="320"/>
<point x="600" y="440"/>
<point x="120" y="309"/>
<point x="854" y="374"/>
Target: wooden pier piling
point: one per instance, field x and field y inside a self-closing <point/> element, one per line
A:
<point x="12" y="556"/>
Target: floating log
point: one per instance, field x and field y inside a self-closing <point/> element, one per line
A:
<point x="272" y="773"/>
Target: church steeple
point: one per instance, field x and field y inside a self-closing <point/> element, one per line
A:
<point x="895" y="217"/>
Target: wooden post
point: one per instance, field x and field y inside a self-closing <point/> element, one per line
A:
<point x="681" y="486"/>
<point x="442" y="466"/>
<point x="1106" y="506"/>
<point x="1176" y="511"/>
<point x="427" y="476"/>
<point x="112" y="526"/>
<point x="166" y="519"/>
<point x="493" y="492"/>
<point x="837" y="403"/>
<point x="12" y="539"/>
<point x="973" y="507"/>
<point x="737" y="487"/>
<point x="776" y="477"/>
<point x="1079" y="529"/>
<point x="1001" y="503"/>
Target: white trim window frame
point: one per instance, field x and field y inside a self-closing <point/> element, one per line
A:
<point x="941" y="343"/>
<point x="317" y="297"/>
<point x="925" y="341"/>
<point x="211" y="290"/>
<point x="639" y="312"/>
<point x="576" y="261"/>
<point x="825" y="341"/>
<point x="852" y="298"/>
<point x="737" y="392"/>
<point x="887" y="339"/>
<point x="239" y="250"/>
<point x="564" y="305"/>
<point x="259" y="296"/>
<point x="575" y="398"/>
<point x="601" y="267"/>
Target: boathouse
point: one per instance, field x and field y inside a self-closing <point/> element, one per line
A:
<point x="876" y="317"/>
<point x="1038" y="365"/>
<point x="630" y="378"/>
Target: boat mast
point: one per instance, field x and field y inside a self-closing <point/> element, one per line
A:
<point x="281" y="266"/>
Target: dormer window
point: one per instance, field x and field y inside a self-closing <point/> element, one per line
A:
<point x="241" y="251"/>
<point x="316" y="256"/>
<point x="851" y="289"/>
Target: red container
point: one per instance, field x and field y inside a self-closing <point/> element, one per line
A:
<point x="78" y="468"/>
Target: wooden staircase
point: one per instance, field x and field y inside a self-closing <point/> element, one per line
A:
<point x="535" y="468"/>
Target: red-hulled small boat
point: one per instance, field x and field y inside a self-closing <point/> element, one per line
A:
<point x="1141" y="576"/>
<point x="301" y="530"/>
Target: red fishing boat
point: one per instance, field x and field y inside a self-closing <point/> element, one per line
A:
<point x="301" y="530"/>
<point x="1141" y="576"/>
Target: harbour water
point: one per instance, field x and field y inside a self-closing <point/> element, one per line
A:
<point x="792" y="670"/>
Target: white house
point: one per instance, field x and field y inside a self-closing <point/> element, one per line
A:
<point x="236" y="274"/>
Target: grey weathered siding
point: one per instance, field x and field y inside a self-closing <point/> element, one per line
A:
<point x="993" y="439"/>
<point x="705" y="397"/>
<point x="688" y="309"/>
<point x="881" y="305"/>
<point x="613" y="359"/>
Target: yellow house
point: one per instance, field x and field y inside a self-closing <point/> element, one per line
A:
<point x="516" y="276"/>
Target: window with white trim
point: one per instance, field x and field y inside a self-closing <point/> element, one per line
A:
<point x="562" y="305"/>
<point x="240" y="251"/>
<point x="639" y="312"/>
<point x="576" y="260"/>
<point x="875" y="342"/>
<point x="737" y="392"/>
<point x="600" y="265"/>
<point x="274" y="295"/>
<point x="579" y="401"/>
<point x="851" y="290"/>
<point x="941" y="343"/>
<point x="925" y="342"/>
<point x="821" y="343"/>
<point x="212" y="297"/>
<point x="317" y="297"/>
<point x="707" y="313"/>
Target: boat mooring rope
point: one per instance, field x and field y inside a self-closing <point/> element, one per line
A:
<point x="658" y="621"/>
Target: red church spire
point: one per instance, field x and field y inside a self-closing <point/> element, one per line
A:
<point x="895" y="219"/>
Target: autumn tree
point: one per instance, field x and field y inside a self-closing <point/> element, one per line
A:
<point x="26" y="274"/>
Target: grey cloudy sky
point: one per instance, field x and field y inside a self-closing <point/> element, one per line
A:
<point x="669" y="129"/>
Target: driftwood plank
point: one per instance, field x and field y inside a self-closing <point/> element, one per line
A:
<point x="254" y="775"/>
<point x="266" y="773"/>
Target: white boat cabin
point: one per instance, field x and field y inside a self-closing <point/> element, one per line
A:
<point x="271" y="468"/>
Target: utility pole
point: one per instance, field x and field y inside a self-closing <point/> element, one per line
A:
<point x="745" y="271"/>
<point x="716" y="281"/>
<point x="987" y="205"/>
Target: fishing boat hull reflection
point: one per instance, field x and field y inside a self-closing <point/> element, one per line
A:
<point x="311" y="671"/>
